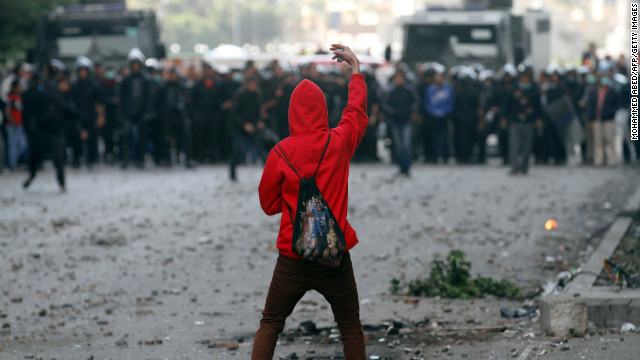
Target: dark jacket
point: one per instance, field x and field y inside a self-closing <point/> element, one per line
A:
<point x="61" y="112"/>
<point x="135" y="95"/>
<point x="172" y="102"/>
<point x="400" y="102"/>
<point x="86" y="95"/>
<point x="246" y="108"/>
<point x="523" y="105"/>
<point x="466" y="105"/>
<point x="35" y="103"/>
<point x="206" y="97"/>
<point x="609" y="106"/>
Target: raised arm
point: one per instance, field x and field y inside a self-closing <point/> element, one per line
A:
<point x="354" y="120"/>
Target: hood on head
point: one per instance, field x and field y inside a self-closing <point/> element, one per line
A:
<point x="307" y="109"/>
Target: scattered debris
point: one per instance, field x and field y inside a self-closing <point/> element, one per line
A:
<point x="520" y="312"/>
<point x="627" y="328"/>
<point x="308" y="328"/>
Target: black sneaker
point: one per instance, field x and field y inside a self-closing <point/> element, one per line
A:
<point x="26" y="184"/>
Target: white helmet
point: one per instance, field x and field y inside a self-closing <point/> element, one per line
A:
<point x="136" y="55"/>
<point x="83" y="62"/>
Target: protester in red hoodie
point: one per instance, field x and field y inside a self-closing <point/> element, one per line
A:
<point x="294" y="276"/>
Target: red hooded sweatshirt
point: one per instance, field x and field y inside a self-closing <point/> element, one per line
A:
<point x="309" y="128"/>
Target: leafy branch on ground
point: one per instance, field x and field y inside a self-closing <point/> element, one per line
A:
<point x="452" y="279"/>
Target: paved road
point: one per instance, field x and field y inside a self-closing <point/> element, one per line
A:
<point x="181" y="257"/>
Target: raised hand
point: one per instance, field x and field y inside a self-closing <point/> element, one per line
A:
<point x="349" y="57"/>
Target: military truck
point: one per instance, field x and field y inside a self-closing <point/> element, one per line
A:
<point x="484" y="32"/>
<point x="102" y="30"/>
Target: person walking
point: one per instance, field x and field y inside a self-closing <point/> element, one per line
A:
<point x="313" y="151"/>
<point x="50" y="110"/>
<point x="400" y="106"/>
<point x="247" y="122"/>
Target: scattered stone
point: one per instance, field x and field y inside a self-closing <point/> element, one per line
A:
<point x="156" y="341"/>
<point x="205" y="240"/>
<point x="308" y="328"/>
<point x="122" y="343"/>
<point x="42" y="312"/>
<point x="232" y="345"/>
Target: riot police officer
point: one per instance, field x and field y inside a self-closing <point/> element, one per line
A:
<point x="86" y="96"/>
<point x="134" y="98"/>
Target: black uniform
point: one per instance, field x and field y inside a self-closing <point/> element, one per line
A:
<point x="86" y="96"/>
<point x="172" y="108"/>
<point x="490" y="102"/>
<point x="465" y="120"/>
<point x="205" y="101"/>
<point x="554" y="129"/>
<point x="505" y="91"/>
<point x="108" y="89"/>
<point x="134" y="98"/>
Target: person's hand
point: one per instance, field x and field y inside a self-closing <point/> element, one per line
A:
<point x="84" y="135"/>
<point x="349" y="57"/>
<point x="415" y="117"/>
<point x="503" y="123"/>
<point x="248" y="127"/>
<point x="261" y="125"/>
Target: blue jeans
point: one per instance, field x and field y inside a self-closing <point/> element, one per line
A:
<point x="401" y="136"/>
<point x="16" y="144"/>
<point x="440" y="138"/>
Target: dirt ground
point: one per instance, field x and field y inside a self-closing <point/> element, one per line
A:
<point x="175" y="264"/>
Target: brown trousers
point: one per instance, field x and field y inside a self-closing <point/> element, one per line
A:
<point x="292" y="278"/>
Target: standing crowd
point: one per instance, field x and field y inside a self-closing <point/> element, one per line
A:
<point x="144" y="111"/>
